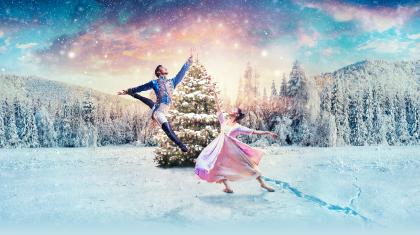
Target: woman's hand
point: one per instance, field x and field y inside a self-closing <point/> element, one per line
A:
<point x="123" y="92"/>
<point x="273" y="135"/>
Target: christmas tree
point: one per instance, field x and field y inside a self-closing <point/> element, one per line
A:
<point x="193" y="118"/>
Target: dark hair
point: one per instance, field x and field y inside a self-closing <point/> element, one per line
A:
<point x="240" y="115"/>
<point x="157" y="70"/>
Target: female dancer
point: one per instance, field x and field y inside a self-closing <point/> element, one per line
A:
<point x="227" y="158"/>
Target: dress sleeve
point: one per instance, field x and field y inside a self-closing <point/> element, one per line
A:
<point x="243" y="130"/>
<point x="221" y="117"/>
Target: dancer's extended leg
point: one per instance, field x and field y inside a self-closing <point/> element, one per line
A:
<point x="171" y="134"/>
<point x="165" y="125"/>
<point x="143" y="99"/>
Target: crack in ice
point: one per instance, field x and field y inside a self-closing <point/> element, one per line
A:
<point x="359" y="192"/>
<point x="332" y="207"/>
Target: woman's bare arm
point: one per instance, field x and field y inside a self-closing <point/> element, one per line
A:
<point x="256" y="132"/>
<point x="216" y="98"/>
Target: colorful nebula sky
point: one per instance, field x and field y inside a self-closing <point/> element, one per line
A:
<point x="114" y="44"/>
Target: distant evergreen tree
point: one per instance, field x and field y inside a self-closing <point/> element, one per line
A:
<point x="11" y="133"/>
<point x="2" y="129"/>
<point x="297" y="89"/>
<point x="30" y="137"/>
<point x="65" y="133"/>
<point x="89" y="118"/>
<point x="45" y="127"/>
<point x="283" y="87"/>
<point x="401" y="127"/>
<point x="325" y="101"/>
<point x="273" y="90"/>
<point x="297" y="85"/>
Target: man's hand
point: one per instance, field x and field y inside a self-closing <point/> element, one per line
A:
<point x="123" y="92"/>
<point x="190" y="59"/>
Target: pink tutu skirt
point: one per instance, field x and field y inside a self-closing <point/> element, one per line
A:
<point x="227" y="158"/>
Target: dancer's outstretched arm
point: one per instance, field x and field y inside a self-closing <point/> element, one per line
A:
<point x="181" y="74"/>
<point x="247" y="131"/>
<point x="131" y="91"/>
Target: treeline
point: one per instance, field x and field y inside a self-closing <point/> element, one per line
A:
<point x="365" y="104"/>
<point x="71" y="123"/>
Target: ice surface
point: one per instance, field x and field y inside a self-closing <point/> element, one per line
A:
<point x="362" y="187"/>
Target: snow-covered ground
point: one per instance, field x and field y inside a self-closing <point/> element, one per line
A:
<point x="359" y="187"/>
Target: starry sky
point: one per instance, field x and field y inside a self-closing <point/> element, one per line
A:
<point x="114" y="44"/>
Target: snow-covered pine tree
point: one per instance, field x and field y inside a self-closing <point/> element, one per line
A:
<point x="377" y="132"/>
<point x="11" y="134"/>
<point x="64" y="128"/>
<point x="297" y="89"/>
<point x="367" y="117"/>
<point x="30" y="137"/>
<point x="389" y="121"/>
<point x="20" y="120"/>
<point x="325" y="100"/>
<point x="89" y="117"/>
<point x="283" y="86"/>
<point x="282" y="129"/>
<point x="401" y="127"/>
<point x="45" y="126"/>
<point x="339" y="102"/>
<point x="2" y="130"/>
<point x="274" y="93"/>
<point x="411" y="115"/>
<point x="105" y="124"/>
<point x="193" y="117"/>
<point x="355" y="121"/>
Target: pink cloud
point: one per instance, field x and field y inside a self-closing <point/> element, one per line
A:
<point x="327" y="51"/>
<point x="124" y="48"/>
<point x="377" y="19"/>
<point x="307" y="39"/>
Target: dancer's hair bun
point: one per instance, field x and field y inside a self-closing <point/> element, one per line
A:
<point x="240" y="115"/>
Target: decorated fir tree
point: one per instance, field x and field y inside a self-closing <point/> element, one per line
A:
<point x="193" y="118"/>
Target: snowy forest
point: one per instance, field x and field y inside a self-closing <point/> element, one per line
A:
<point x="35" y="113"/>
<point x="366" y="103"/>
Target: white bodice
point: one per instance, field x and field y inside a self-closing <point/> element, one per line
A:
<point x="227" y="129"/>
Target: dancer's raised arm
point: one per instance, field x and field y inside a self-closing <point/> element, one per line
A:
<point x="181" y="74"/>
<point x="219" y="112"/>
<point x="216" y="97"/>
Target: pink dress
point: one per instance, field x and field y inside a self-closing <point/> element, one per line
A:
<point x="228" y="158"/>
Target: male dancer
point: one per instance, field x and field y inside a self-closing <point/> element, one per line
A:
<point x="163" y="89"/>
